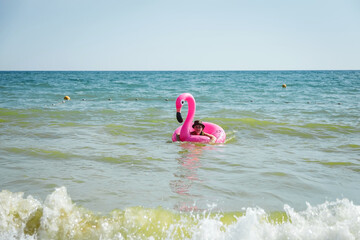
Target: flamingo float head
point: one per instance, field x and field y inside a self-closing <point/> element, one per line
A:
<point x="180" y="101"/>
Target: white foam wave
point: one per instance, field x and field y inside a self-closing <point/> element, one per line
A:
<point x="59" y="218"/>
<point x="330" y="220"/>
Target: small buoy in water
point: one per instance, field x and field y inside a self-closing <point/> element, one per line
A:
<point x="67" y="98"/>
<point x="284" y="85"/>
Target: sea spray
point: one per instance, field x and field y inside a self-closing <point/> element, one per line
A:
<point x="19" y="216"/>
<point x="59" y="218"/>
<point x="331" y="220"/>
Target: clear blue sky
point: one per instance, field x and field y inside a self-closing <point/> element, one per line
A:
<point x="179" y="35"/>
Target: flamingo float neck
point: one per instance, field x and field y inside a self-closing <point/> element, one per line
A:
<point x="186" y="127"/>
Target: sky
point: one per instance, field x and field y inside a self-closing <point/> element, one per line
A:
<point x="166" y="35"/>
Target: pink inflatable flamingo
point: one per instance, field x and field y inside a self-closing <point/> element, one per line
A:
<point x="186" y="128"/>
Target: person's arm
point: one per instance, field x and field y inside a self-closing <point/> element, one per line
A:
<point x="212" y="137"/>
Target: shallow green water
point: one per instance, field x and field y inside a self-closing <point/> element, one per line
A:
<point x="110" y="145"/>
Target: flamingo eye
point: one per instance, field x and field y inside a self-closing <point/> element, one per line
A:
<point x="182" y="102"/>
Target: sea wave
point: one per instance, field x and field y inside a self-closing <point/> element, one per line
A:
<point x="59" y="218"/>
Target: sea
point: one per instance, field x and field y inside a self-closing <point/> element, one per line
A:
<point x="102" y="164"/>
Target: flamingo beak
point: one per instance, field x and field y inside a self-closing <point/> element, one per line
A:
<point x="179" y="117"/>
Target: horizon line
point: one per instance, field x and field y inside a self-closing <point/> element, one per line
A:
<point x="257" y="70"/>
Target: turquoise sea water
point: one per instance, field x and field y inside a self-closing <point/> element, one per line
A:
<point x="103" y="166"/>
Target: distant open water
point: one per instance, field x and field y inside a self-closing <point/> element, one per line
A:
<point x="102" y="165"/>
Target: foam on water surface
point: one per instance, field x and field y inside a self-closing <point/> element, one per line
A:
<point x="59" y="218"/>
